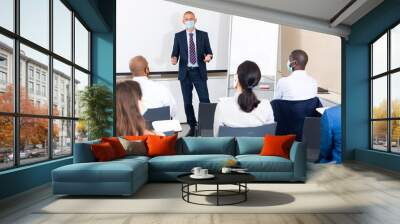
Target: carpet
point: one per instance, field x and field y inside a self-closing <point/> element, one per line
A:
<point x="166" y="198"/>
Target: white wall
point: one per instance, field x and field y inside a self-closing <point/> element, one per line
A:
<point x="148" y="27"/>
<point x="256" y="41"/>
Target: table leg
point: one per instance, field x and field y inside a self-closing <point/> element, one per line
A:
<point x="196" y="187"/>
<point x="217" y="194"/>
<point x="245" y="193"/>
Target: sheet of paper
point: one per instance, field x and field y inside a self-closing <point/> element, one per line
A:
<point x="321" y="110"/>
<point x="167" y="125"/>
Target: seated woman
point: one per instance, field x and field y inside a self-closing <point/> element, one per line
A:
<point x="244" y="109"/>
<point x="130" y="109"/>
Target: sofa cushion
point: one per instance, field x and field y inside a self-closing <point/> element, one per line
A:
<point x="161" y="145"/>
<point x="257" y="163"/>
<point x="116" y="145"/>
<point x="277" y="145"/>
<point x="206" y="145"/>
<point x="185" y="163"/>
<point x="249" y="145"/>
<point x="112" y="171"/>
<point x="103" y="152"/>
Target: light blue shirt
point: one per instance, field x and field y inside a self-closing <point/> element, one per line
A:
<point x="195" y="48"/>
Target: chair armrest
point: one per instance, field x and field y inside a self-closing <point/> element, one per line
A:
<point x="298" y="155"/>
<point x="83" y="152"/>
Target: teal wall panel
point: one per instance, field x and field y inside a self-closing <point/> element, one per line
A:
<point x="24" y="178"/>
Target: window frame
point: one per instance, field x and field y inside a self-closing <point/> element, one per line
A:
<point x="388" y="74"/>
<point x="16" y="114"/>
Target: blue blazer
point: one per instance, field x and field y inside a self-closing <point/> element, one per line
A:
<point x="331" y="136"/>
<point x="290" y="115"/>
<point x="180" y="50"/>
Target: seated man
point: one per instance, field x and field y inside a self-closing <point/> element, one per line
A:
<point x="331" y="136"/>
<point x="155" y="95"/>
<point x="298" y="85"/>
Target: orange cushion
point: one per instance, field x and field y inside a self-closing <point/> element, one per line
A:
<point x="116" y="145"/>
<point x="136" y="138"/>
<point x="161" y="145"/>
<point x="277" y="145"/>
<point x="103" y="152"/>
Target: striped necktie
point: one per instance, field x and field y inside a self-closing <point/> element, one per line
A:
<point x="192" y="50"/>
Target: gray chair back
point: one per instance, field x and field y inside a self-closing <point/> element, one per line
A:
<point x="259" y="131"/>
<point x="206" y="119"/>
<point x="312" y="137"/>
<point x="156" y="114"/>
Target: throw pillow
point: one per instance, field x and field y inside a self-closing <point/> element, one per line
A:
<point x="103" y="152"/>
<point x="136" y="147"/>
<point x="277" y="145"/>
<point x="117" y="146"/>
<point x="161" y="145"/>
<point x="136" y="138"/>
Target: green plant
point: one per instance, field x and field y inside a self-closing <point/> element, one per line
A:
<point x="96" y="103"/>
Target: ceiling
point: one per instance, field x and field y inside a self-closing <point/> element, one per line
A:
<point x="326" y="16"/>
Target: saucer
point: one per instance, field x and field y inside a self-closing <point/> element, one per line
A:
<point x="208" y="176"/>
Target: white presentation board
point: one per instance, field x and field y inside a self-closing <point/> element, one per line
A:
<point x="147" y="28"/>
<point x="256" y="41"/>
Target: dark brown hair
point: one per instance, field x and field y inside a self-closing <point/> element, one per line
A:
<point x="129" y="119"/>
<point x="249" y="76"/>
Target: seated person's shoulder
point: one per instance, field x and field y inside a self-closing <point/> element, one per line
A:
<point x="225" y="100"/>
<point x="265" y="104"/>
<point x="283" y="80"/>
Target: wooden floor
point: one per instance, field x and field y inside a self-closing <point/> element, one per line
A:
<point x="378" y="189"/>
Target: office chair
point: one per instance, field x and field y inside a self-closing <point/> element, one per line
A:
<point x="156" y="114"/>
<point x="259" y="131"/>
<point x="312" y="137"/>
<point x="205" y="126"/>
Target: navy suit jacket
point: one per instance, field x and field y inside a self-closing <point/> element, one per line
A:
<point x="180" y="51"/>
<point x="290" y="115"/>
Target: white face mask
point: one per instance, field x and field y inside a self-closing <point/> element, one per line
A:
<point x="289" y="68"/>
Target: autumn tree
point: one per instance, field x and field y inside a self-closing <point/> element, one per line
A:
<point x="33" y="131"/>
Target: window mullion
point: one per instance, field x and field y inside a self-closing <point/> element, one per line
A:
<point x="389" y="104"/>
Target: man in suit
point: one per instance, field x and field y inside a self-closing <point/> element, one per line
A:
<point x="192" y="49"/>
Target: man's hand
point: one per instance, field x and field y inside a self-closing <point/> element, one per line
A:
<point x="174" y="60"/>
<point x="207" y="58"/>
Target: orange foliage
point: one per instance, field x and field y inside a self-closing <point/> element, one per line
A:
<point x="33" y="130"/>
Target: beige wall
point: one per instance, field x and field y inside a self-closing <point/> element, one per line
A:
<point x="324" y="52"/>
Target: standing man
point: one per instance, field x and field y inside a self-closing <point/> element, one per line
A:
<point x="192" y="49"/>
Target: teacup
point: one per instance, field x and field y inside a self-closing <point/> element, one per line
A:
<point x="226" y="170"/>
<point x="203" y="172"/>
<point x="196" y="171"/>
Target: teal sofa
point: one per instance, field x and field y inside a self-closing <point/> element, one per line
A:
<point x="125" y="176"/>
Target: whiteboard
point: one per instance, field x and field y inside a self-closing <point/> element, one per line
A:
<point x="256" y="41"/>
<point x="147" y="28"/>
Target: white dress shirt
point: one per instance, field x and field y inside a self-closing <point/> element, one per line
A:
<point x="156" y="95"/>
<point x="195" y="48"/>
<point x="297" y="86"/>
<point x="228" y="113"/>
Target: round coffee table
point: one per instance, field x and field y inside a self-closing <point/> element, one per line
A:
<point x="238" y="179"/>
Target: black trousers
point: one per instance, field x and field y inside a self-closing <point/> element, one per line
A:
<point x="191" y="79"/>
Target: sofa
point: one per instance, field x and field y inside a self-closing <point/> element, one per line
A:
<point x="125" y="176"/>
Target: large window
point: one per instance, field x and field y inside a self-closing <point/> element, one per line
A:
<point x="44" y="64"/>
<point x="385" y="92"/>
